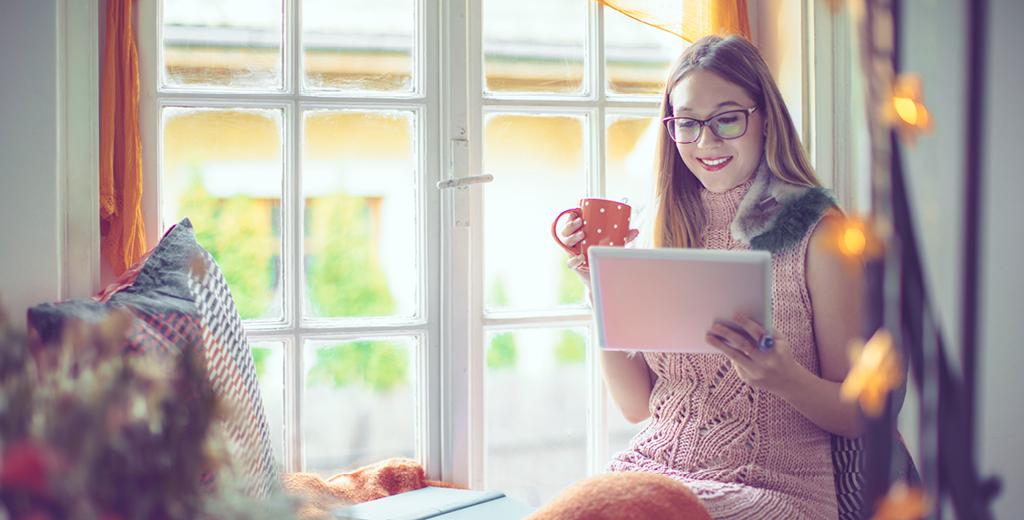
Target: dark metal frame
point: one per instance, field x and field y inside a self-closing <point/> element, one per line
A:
<point x="898" y="295"/>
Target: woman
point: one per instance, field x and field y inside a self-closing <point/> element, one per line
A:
<point x="748" y="431"/>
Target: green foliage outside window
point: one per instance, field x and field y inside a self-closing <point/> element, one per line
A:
<point x="239" y="234"/>
<point x="571" y="347"/>
<point x="342" y="276"/>
<point x="502" y="353"/>
<point x="259" y="357"/>
<point x="380" y="366"/>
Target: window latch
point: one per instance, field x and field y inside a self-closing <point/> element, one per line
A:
<point x="461" y="182"/>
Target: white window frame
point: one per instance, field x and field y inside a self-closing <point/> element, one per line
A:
<point x="78" y="154"/>
<point x="424" y="102"/>
<point x="466" y="336"/>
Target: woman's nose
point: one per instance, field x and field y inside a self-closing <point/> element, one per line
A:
<point x="707" y="138"/>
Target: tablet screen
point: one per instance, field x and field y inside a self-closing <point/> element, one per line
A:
<point x="666" y="299"/>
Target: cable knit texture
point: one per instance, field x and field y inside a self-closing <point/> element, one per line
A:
<point x="745" y="452"/>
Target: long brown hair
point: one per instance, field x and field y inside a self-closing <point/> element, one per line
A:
<point x="680" y="215"/>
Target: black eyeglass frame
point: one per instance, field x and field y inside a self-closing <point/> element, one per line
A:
<point x="668" y="122"/>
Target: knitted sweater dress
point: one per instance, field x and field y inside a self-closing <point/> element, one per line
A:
<point x="745" y="452"/>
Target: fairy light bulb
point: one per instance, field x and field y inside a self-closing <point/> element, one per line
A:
<point x="906" y="109"/>
<point x="853" y="241"/>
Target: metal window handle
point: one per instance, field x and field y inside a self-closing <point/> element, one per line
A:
<point x="464" y="181"/>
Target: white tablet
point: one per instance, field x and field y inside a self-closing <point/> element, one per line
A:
<point x="667" y="299"/>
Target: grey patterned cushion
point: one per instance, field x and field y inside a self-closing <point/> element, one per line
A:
<point x="233" y="374"/>
<point x="176" y="305"/>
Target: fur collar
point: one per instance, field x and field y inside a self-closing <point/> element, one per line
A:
<point x="775" y="215"/>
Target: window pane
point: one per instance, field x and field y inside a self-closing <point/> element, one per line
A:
<point x="222" y="43"/>
<point x="637" y="56"/>
<point x="535" y="46"/>
<point x="359" y="45"/>
<point x="630" y="166"/>
<point x="222" y="169"/>
<point x="269" y="359"/>
<point x="538" y="163"/>
<point x="361" y="215"/>
<point x="358" y="402"/>
<point x="536" y="443"/>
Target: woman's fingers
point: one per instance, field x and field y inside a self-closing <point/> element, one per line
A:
<point x="733" y="338"/>
<point x="752" y="327"/>
<point x="576" y="262"/>
<point x="571" y="227"/>
<point x="631" y="236"/>
<point x="735" y="355"/>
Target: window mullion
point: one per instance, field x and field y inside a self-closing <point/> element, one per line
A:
<point x="292" y="239"/>
<point x="461" y="365"/>
<point x="430" y="160"/>
<point x="597" y="430"/>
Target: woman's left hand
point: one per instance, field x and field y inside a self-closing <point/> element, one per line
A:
<point x="770" y="369"/>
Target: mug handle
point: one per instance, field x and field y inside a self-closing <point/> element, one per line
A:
<point x="575" y="251"/>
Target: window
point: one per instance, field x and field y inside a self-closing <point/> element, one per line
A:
<point x="304" y="139"/>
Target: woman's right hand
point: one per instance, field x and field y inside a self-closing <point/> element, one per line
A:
<point x="572" y="234"/>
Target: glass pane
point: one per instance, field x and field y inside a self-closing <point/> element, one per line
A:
<point x="538" y="163"/>
<point x="359" y="45"/>
<point x="631" y="167"/>
<point x="222" y="169"/>
<point x="358" y="402"/>
<point x="637" y="56"/>
<point x="536" y="444"/>
<point x="222" y="43"/>
<point x="536" y="46"/>
<point x="269" y="359"/>
<point x="361" y="215"/>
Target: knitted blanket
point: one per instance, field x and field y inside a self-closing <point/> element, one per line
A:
<point x="379" y="480"/>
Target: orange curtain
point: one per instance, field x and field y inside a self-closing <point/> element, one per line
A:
<point x="123" y="233"/>
<point x="688" y="19"/>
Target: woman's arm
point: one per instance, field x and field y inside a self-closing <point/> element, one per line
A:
<point x="628" y="378"/>
<point x="630" y="382"/>
<point x="835" y="283"/>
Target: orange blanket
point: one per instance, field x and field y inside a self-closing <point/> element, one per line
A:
<point x="386" y="478"/>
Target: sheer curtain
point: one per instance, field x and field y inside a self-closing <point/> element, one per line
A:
<point x="123" y="239"/>
<point x="688" y="19"/>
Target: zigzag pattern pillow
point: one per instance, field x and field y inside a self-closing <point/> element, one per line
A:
<point x="232" y="371"/>
<point x="177" y="305"/>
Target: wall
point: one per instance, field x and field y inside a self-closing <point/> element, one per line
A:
<point x="1002" y="330"/>
<point x="29" y="190"/>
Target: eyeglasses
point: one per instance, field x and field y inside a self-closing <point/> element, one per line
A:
<point x="731" y="124"/>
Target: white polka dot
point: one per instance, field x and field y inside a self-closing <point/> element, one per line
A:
<point x="620" y="207"/>
<point x="584" y="222"/>
<point x="602" y="210"/>
<point x="599" y="231"/>
<point x="615" y="226"/>
<point x="612" y="243"/>
<point x="584" y="241"/>
<point x="586" y="203"/>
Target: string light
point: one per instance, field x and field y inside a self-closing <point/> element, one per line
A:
<point x="907" y="111"/>
<point x="875" y="370"/>
<point x="903" y="502"/>
<point x="855" y="238"/>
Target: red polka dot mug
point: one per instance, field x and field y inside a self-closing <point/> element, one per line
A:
<point x="605" y="223"/>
